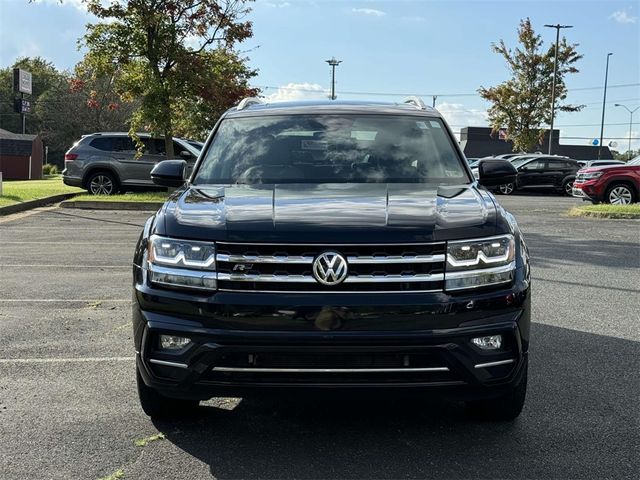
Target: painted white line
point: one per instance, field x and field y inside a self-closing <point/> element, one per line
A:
<point x="96" y="242"/>
<point x="67" y="360"/>
<point x="63" y="300"/>
<point x="27" y="213"/>
<point x="64" y="266"/>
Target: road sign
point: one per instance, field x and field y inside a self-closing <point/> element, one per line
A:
<point x="21" y="105"/>
<point x="21" y="81"/>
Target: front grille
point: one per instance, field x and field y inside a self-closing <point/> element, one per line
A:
<point x="371" y="268"/>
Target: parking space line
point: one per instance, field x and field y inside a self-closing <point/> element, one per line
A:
<point x="70" y="300"/>
<point x="67" y="243"/>
<point x="64" y="266"/>
<point x="67" y="360"/>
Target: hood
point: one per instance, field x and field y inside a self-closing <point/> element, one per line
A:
<point x="319" y="213"/>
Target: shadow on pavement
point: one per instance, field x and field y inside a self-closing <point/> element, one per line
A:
<point x="580" y="421"/>
<point x="549" y="250"/>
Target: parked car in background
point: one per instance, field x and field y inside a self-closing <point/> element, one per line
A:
<point x="105" y="163"/>
<point x="541" y="171"/>
<point x="601" y="163"/>
<point x="615" y="184"/>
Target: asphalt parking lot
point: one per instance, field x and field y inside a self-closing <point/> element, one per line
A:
<point x="68" y="404"/>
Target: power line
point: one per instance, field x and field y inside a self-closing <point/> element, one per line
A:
<point x="400" y="94"/>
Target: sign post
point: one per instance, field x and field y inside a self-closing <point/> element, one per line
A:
<point x="22" y="85"/>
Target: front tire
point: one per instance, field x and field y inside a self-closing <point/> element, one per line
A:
<point x="156" y="405"/>
<point x="504" y="408"/>
<point x="102" y="183"/>
<point x="507" y="188"/>
<point x="620" y="194"/>
<point x="567" y="187"/>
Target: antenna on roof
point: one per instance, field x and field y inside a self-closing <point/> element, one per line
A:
<point x="247" y="102"/>
<point x="416" y="101"/>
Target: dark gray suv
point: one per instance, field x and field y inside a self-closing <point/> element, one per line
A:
<point x="106" y="163"/>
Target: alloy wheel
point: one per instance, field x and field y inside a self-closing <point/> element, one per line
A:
<point x="568" y="188"/>
<point x="101" y="185"/>
<point x="620" y="196"/>
<point x="506" y="189"/>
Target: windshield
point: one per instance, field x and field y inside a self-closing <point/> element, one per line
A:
<point x="331" y="148"/>
<point x="634" y="161"/>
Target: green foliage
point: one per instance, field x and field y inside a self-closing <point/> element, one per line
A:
<point x="624" y="156"/>
<point x="64" y="106"/>
<point x="522" y="103"/>
<point x="49" y="169"/>
<point x="176" y="57"/>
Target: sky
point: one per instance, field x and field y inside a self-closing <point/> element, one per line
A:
<point x="390" y="49"/>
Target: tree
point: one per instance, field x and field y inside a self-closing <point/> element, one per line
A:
<point x="44" y="77"/>
<point x="80" y="105"/>
<point x="172" y="55"/>
<point x="522" y="103"/>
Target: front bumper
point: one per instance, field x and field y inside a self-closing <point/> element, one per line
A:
<point x="586" y="191"/>
<point x="245" y="344"/>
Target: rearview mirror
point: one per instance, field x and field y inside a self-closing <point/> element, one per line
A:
<point x="496" y="172"/>
<point x="169" y="173"/>
<point x="186" y="155"/>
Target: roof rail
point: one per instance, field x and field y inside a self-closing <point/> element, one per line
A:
<point x="416" y="101"/>
<point x="247" y="102"/>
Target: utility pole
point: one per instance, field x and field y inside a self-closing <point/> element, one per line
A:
<point x="434" y="101"/>
<point x="334" y="63"/>
<point x="553" y="85"/>
<point x="630" y="124"/>
<point x="604" y="104"/>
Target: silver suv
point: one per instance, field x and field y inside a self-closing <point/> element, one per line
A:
<point x="105" y="163"/>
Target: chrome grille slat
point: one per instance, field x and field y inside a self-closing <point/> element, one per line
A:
<point x="395" y="259"/>
<point x="221" y="257"/>
<point x="409" y="267"/>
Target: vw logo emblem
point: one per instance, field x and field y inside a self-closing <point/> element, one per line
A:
<point x="330" y="268"/>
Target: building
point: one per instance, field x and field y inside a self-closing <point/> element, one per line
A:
<point x="477" y="142"/>
<point x="21" y="156"/>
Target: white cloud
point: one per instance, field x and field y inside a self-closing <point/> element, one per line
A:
<point x="622" y="16"/>
<point x="277" y="4"/>
<point x="369" y="11"/>
<point x="297" y="91"/>
<point x="459" y="116"/>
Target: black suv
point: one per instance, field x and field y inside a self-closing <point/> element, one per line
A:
<point x="331" y="246"/>
<point x="558" y="173"/>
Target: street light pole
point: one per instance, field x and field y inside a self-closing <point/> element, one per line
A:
<point x="334" y="63"/>
<point x="604" y="103"/>
<point x="630" y="124"/>
<point x="553" y="85"/>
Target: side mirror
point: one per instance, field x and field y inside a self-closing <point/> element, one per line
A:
<point x="496" y="172"/>
<point x="169" y="173"/>
<point x="186" y="155"/>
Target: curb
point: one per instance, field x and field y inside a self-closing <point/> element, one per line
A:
<point x="97" y="205"/>
<point x="39" y="202"/>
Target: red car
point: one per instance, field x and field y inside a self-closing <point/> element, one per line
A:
<point x="616" y="184"/>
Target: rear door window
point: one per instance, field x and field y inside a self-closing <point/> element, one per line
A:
<point x="102" y="143"/>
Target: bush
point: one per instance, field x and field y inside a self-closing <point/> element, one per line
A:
<point x="49" y="169"/>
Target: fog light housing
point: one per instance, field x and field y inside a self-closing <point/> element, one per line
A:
<point x="172" y="342"/>
<point x="491" y="342"/>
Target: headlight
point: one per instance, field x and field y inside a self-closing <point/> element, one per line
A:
<point x="591" y="175"/>
<point x="182" y="263"/>
<point x="480" y="263"/>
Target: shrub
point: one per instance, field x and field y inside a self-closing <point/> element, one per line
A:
<point x="49" y="169"/>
